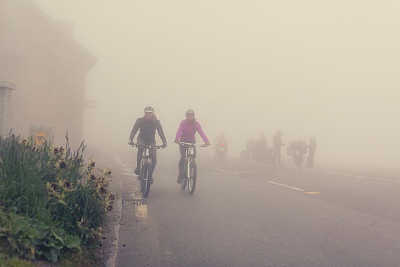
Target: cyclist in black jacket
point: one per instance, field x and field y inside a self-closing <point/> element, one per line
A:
<point x="147" y="136"/>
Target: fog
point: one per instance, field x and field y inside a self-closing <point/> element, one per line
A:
<point x="328" y="69"/>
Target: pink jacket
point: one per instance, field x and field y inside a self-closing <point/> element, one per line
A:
<point x="187" y="130"/>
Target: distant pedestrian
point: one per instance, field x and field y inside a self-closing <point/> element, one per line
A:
<point x="311" y="152"/>
<point x="277" y="144"/>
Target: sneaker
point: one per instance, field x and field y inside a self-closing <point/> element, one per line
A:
<point x="137" y="171"/>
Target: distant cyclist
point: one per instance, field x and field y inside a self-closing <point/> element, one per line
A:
<point x="147" y="136"/>
<point x="186" y="133"/>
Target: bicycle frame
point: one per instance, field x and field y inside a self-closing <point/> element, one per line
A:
<point x="146" y="159"/>
<point x="190" y="153"/>
<point x="145" y="167"/>
<point x="190" y="167"/>
<point x="190" y="157"/>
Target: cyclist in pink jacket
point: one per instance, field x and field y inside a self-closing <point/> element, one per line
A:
<point x="186" y="133"/>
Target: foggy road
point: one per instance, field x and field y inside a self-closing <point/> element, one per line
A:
<point x="249" y="214"/>
<point x="321" y="75"/>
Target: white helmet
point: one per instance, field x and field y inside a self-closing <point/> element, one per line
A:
<point x="189" y="112"/>
<point x="149" y="109"/>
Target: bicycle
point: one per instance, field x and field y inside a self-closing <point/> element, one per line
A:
<point x="190" y="168"/>
<point x="145" y="176"/>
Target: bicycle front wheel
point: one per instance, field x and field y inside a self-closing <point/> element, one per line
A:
<point x="145" y="183"/>
<point x="193" y="177"/>
<point x="184" y="178"/>
<point x="183" y="182"/>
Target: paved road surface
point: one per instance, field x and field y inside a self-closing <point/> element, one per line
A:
<point x="247" y="214"/>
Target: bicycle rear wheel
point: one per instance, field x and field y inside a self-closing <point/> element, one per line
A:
<point x="193" y="177"/>
<point x="145" y="183"/>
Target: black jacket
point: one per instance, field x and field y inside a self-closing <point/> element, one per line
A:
<point x="148" y="130"/>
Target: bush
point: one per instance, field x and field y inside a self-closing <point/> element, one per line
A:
<point x="50" y="200"/>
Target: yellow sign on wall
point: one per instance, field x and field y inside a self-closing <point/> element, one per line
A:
<point x="40" y="138"/>
<point x="41" y="134"/>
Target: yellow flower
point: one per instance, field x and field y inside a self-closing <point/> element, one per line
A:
<point x="52" y="186"/>
<point x="92" y="164"/>
<point x="103" y="190"/>
<point x="25" y="142"/>
<point x="107" y="172"/>
<point x="68" y="186"/>
<point x="58" y="152"/>
<point x="49" y="187"/>
<point x="81" y="223"/>
<point x="61" y="164"/>
<point x="52" y="190"/>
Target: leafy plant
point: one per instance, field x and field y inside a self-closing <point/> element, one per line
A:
<point x="50" y="201"/>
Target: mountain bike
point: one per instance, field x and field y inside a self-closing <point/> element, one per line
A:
<point x="190" y="168"/>
<point x="146" y="175"/>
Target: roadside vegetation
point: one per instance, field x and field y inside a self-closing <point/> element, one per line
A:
<point x="52" y="203"/>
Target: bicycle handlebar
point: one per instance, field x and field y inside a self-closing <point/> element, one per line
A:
<point x="145" y="146"/>
<point x="191" y="144"/>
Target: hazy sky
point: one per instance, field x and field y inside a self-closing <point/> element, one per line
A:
<point x="328" y="69"/>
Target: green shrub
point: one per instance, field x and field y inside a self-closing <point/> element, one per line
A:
<point x="50" y="201"/>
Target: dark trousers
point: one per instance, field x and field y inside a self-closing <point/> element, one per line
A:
<point x="277" y="156"/>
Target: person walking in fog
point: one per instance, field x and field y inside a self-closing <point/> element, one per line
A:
<point x="147" y="136"/>
<point x="186" y="133"/>
<point x="311" y="152"/>
<point x="277" y="144"/>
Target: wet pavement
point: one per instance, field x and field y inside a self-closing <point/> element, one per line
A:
<point x="248" y="214"/>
